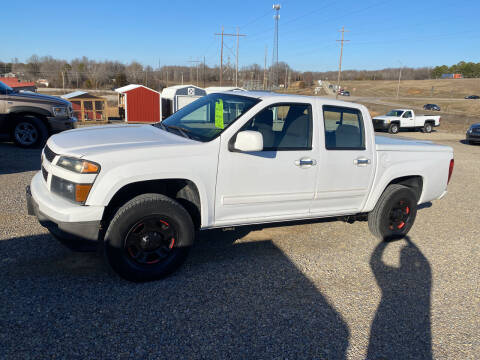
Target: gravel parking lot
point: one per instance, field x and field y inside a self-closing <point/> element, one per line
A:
<point x="317" y="290"/>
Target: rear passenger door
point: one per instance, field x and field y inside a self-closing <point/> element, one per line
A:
<point x="346" y="165"/>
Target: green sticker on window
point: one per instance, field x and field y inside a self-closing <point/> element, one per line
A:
<point x="219" y="114"/>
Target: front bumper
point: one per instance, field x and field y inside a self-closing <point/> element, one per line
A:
<point x="64" y="219"/>
<point x="61" y="124"/>
<point x="380" y="125"/>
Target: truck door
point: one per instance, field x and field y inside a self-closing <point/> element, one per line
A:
<point x="346" y="164"/>
<point x="407" y="120"/>
<point x="276" y="183"/>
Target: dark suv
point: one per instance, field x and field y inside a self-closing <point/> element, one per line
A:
<point x="433" y="107"/>
<point x="29" y="118"/>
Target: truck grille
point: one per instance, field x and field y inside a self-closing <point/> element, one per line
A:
<point x="44" y="173"/>
<point x="49" y="154"/>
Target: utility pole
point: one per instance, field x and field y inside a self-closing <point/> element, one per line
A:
<point x="265" y="70"/>
<point x="204" y="72"/>
<point x="286" y="75"/>
<point x="63" y="79"/>
<point x="399" y="79"/>
<point x="195" y="62"/>
<point x="222" y="34"/>
<point x="276" y="17"/>
<point x="340" y="63"/>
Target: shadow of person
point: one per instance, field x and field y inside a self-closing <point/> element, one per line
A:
<point x="401" y="327"/>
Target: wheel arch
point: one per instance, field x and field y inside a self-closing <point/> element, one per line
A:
<point x="27" y="111"/>
<point x="183" y="190"/>
<point x="415" y="182"/>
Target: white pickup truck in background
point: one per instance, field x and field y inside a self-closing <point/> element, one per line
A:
<point x="398" y="119"/>
<point x="228" y="159"/>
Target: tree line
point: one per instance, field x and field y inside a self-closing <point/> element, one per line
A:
<point x="467" y="69"/>
<point x="91" y="74"/>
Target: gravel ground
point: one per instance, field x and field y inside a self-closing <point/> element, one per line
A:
<point x="321" y="290"/>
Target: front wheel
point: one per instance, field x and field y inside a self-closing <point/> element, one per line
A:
<point x="148" y="238"/>
<point x="394" y="214"/>
<point x="393" y="129"/>
<point x="29" y="132"/>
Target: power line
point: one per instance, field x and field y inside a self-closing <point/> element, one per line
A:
<point x="222" y="34"/>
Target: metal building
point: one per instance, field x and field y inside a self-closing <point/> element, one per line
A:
<point x="176" y="97"/>
<point x="139" y="104"/>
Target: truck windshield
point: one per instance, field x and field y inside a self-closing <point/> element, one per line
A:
<point x="207" y="117"/>
<point x="397" y="113"/>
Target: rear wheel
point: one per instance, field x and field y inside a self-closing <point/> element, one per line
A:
<point x="29" y="132"/>
<point x="394" y="214"/>
<point x="393" y="129"/>
<point x="148" y="238"/>
<point x="427" y="128"/>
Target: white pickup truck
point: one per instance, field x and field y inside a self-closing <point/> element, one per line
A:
<point x="398" y="119"/>
<point x="229" y="159"/>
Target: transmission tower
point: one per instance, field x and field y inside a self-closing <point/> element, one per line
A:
<point x="276" y="17"/>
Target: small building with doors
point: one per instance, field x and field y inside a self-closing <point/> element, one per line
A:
<point x="139" y="104"/>
<point x="86" y="106"/>
<point x="176" y="97"/>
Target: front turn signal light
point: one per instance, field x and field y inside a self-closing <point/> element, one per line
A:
<point x="81" y="192"/>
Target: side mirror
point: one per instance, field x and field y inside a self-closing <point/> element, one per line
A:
<point x="248" y="141"/>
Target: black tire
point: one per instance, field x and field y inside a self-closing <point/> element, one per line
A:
<point x="394" y="128"/>
<point x="427" y="128"/>
<point x="394" y="214"/>
<point x="148" y="238"/>
<point x="29" y="132"/>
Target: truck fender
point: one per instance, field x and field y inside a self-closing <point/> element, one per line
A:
<point x="393" y="172"/>
<point x="206" y="207"/>
<point x="28" y="109"/>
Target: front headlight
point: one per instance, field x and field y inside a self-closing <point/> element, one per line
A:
<point x="70" y="190"/>
<point x="78" y="165"/>
<point x="387" y="121"/>
<point x="60" y="111"/>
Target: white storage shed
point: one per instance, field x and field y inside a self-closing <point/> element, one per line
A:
<point x="178" y="96"/>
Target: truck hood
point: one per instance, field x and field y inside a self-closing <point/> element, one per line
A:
<point x="95" y="140"/>
<point x="385" y="117"/>
<point x="387" y="143"/>
<point x="28" y="96"/>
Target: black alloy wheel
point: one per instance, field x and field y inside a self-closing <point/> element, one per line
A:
<point x="399" y="215"/>
<point x="151" y="240"/>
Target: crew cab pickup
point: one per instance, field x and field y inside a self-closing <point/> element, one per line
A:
<point x="29" y="118"/>
<point x="229" y="159"/>
<point x="398" y="119"/>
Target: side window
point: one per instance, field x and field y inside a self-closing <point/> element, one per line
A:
<point x="408" y="114"/>
<point x="343" y="128"/>
<point x="284" y="127"/>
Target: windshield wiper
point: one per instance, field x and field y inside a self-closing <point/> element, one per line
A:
<point x="182" y="131"/>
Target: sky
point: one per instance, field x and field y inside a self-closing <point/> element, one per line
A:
<point x="382" y="33"/>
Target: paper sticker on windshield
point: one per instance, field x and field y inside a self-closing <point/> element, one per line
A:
<point x="219" y="114"/>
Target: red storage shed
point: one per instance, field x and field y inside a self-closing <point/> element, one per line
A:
<point x="139" y="104"/>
